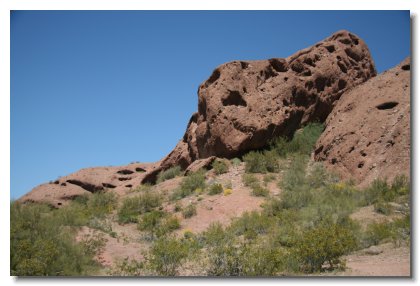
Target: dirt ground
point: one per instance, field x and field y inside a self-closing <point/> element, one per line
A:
<point x="393" y="261"/>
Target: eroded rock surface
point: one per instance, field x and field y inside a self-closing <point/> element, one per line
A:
<point x="244" y="104"/>
<point x="90" y="180"/>
<point x="367" y="134"/>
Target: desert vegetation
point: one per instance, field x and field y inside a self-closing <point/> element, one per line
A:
<point x="305" y="229"/>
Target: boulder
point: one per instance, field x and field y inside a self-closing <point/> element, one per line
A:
<point x="367" y="134"/>
<point x="244" y="104"/>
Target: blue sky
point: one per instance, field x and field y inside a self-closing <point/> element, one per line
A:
<point x="99" y="88"/>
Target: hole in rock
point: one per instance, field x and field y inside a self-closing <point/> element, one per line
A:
<point x="405" y="67"/>
<point x="341" y="84"/>
<point x="387" y="105"/>
<point x="234" y="98"/>
<point x="361" y="164"/>
<point x="244" y="65"/>
<point x="107" y="185"/>
<point x="125" y="172"/>
<point x="330" y="49"/>
<point x="141" y="170"/>
<point x="278" y="65"/>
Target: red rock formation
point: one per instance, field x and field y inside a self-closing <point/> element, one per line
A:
<point x="244" y="104"/>
<point x="89" y="180"/>
<point x="367" y="134"/>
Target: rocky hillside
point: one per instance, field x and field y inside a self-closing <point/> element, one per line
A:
<point x="243" y="105"/>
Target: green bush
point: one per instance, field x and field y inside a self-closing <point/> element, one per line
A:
<point x="169" y="174"/>
<point x="249" y="180"/>
<point x="216" y="235"/>
<point x="215" y="189"/>
<point x="101" y="203"/>
<point x="189" y="184"/>
<point x="295" y="175"/>
<point x="303" y="141"/>
<point x="382" y="208"/>
<point x="158" y="223"/>
<point x="251" y="224"/>
<point x="220" y="167"/>
<point x="189" y="211"/>
<point x="235" y="161"/>
<point x="269" y="178"/>
<point x="41" y="246"/>
<point x="324" y="244"/>
<point x="132" y="207"/>
<point x="166" y="255"/>
<point x="177" y="207"/>
<point x="377" y="232"/>
<point x="261" y="162"/>
<point x="149" y="221"/>
<point x="259" y="191"/>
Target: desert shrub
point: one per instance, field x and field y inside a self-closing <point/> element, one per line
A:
<point x="189" y="184"/>
<point x="169" y="224"/>
<point x="220" y="167"/>
<point x="235" y="161"/>
<point x="255" y="162"/>
<point x="298" y="198"/>
<point x="102" y="224"/>
<point x="177" y="207"/>
<point x="375" y="191"/>
<point x="401" y="229"/>
<point x="142" y="188"/>
<point x="149" y="221"/>
<point x="380" y="191"/>
<point x="189" y="211"/>
<point x="324" y="244"/>
<point x="126" y="267"/>
<point x="251" y="224"/>
<point x="132" y="207"/>
<point x="158" y="223"/>
<point x="382" y="207"/>
<point x="376" y="233"/>
<point x="216" y="235"/>
<point x="215" y="189"/>
<point x="41" y="246"/>
<point x="101" y="203"/>
<point x="249" y="180"/>
<point x="243" y="259"/>
<point x="302" y="142"/>
<point x="261" y="162"/>
<point x="259" y="191"/>
<point x="227" y="192"/>
<point x="166" y="255"/>
<point x="168" y="174"/>
<point x="93" y="243"/>
<point x="295" y="175"/>
<point x="260" y="259"/>
<point x="269" y="178"/>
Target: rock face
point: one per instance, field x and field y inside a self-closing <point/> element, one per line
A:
<point x="89" y="180"/>
<point x="367" y="134"/>
<point x="244" y="104"/>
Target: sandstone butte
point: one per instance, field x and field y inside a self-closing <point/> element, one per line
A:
<point x="244" y="104"/>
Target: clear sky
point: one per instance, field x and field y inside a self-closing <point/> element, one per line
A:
<point x="99" y="88"/>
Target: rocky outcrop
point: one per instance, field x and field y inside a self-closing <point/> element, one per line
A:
<point x="367" y="134"/>
<point x="87" y="181"/>
<point x="244" y="104"/>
